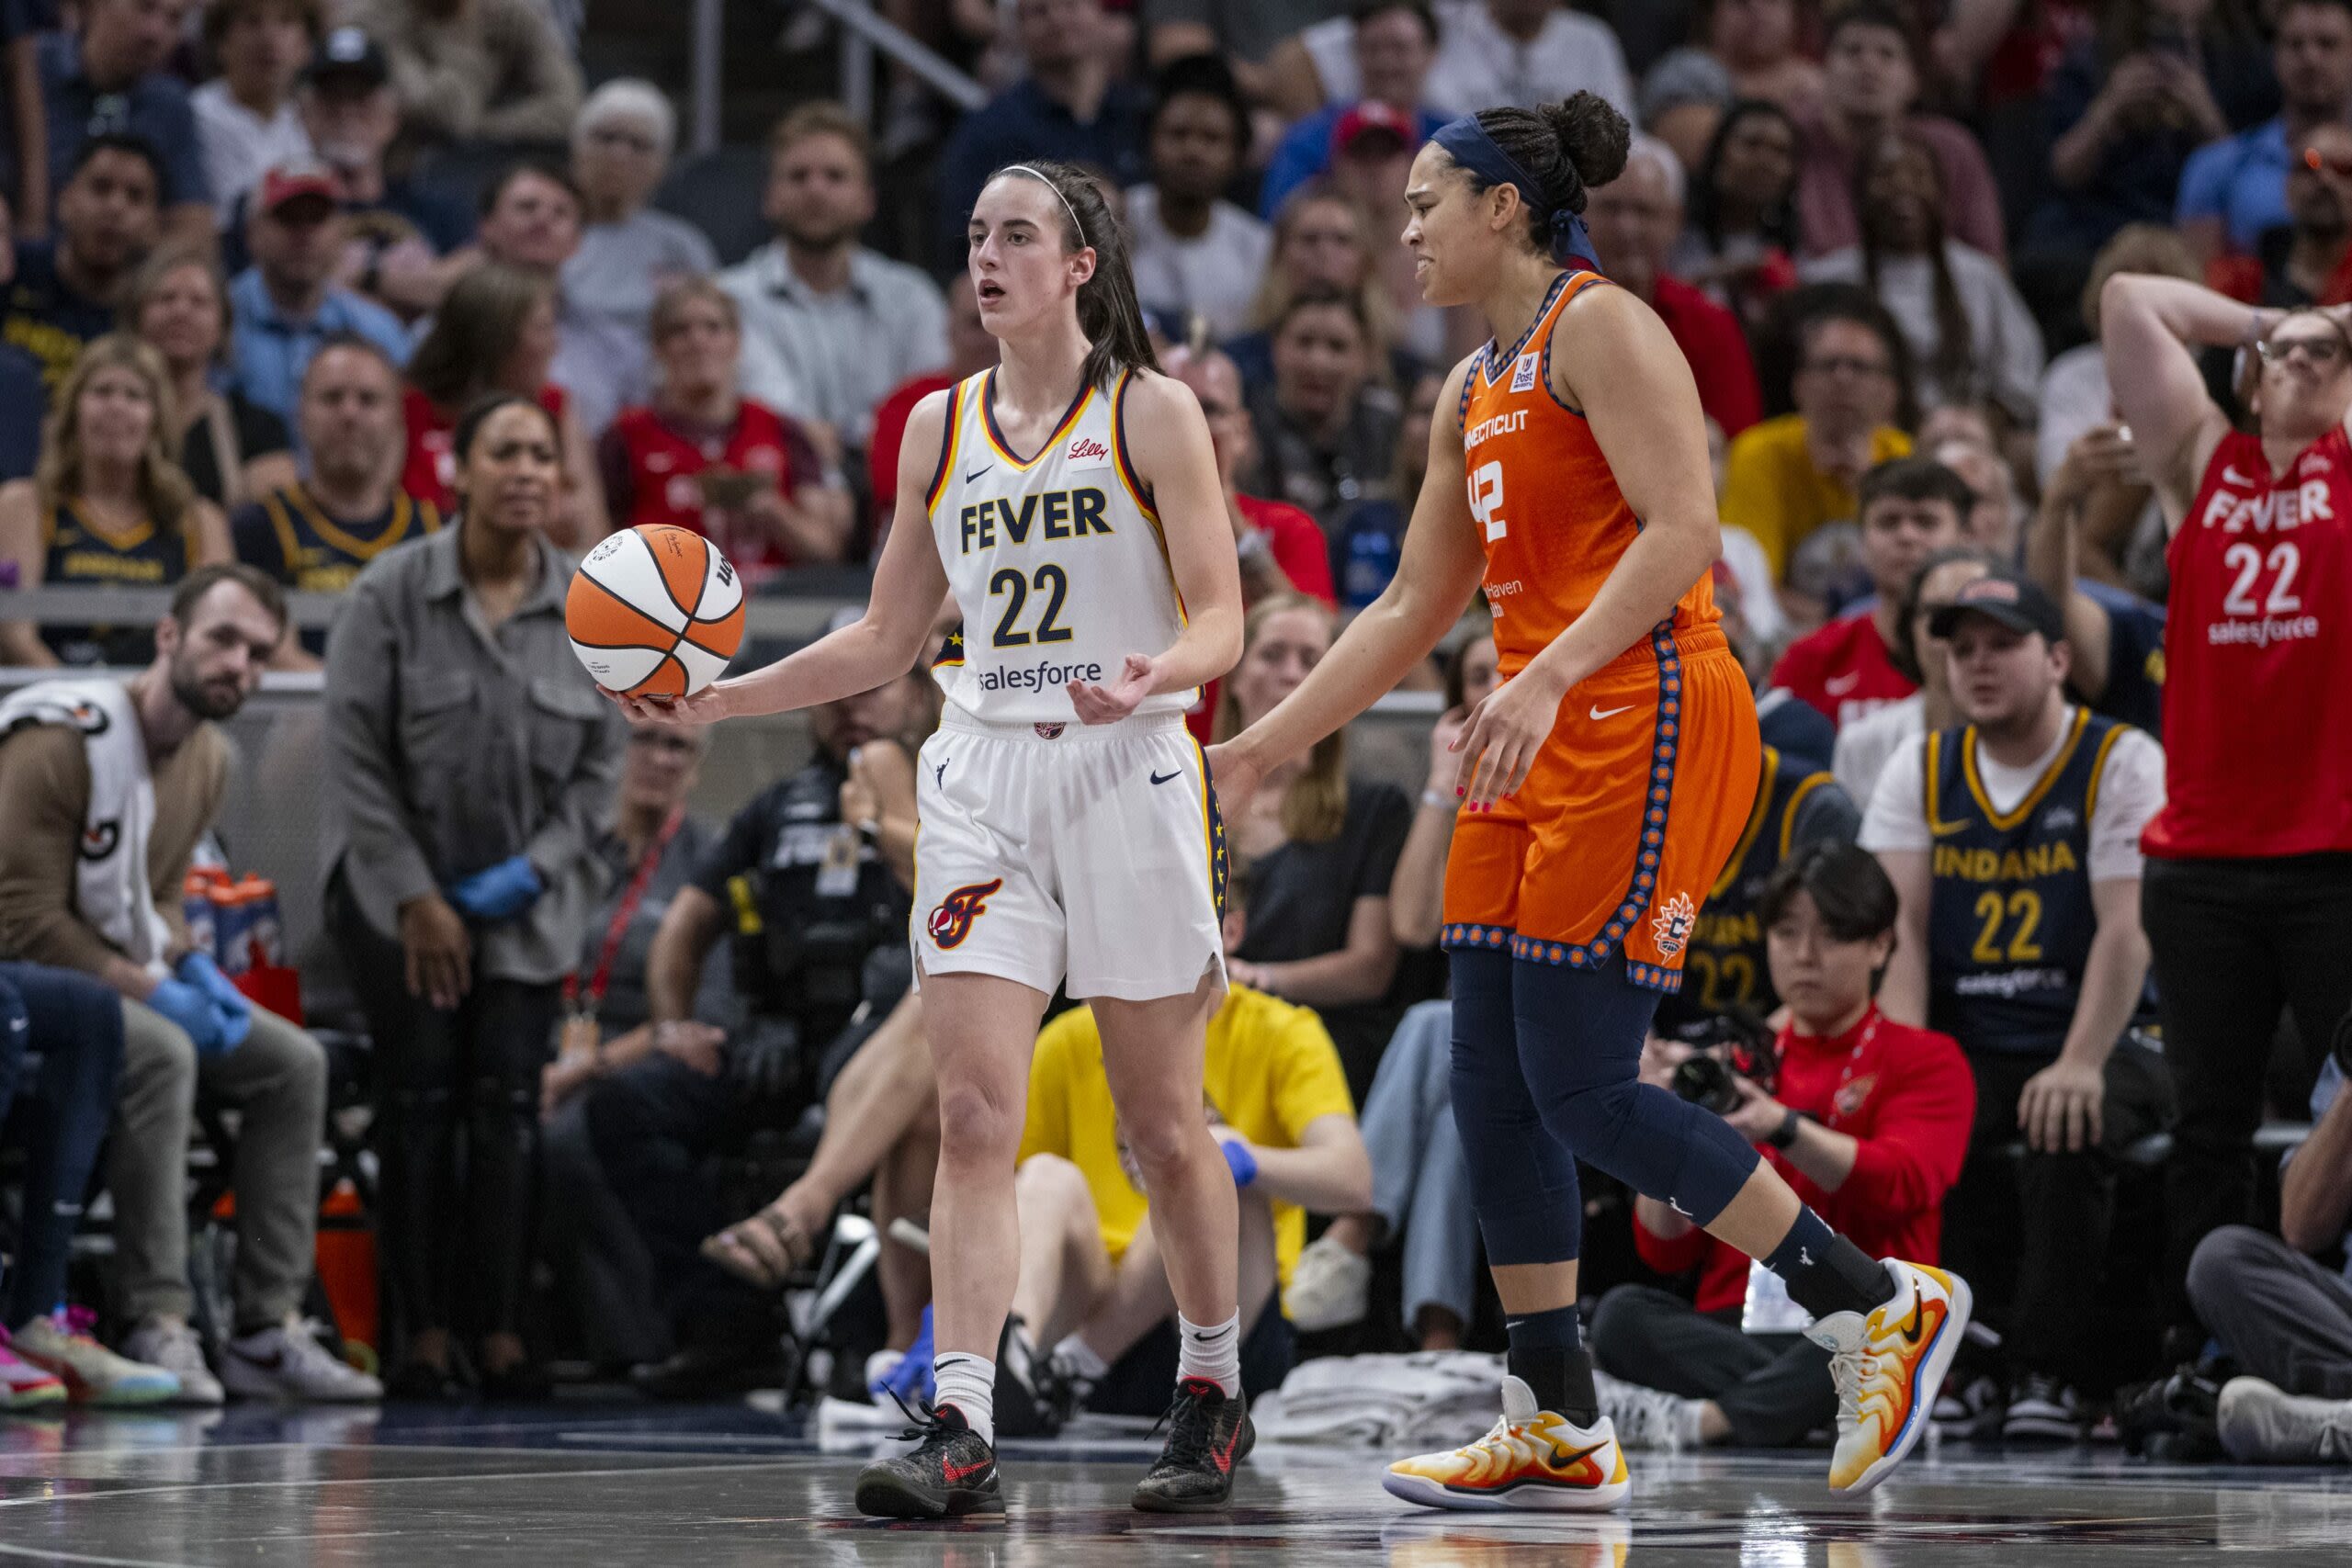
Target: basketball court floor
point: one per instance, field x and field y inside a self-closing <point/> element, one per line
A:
<point x="592" y="1485"/>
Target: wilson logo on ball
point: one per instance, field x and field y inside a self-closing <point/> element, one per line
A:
<point x="655" y="611"/>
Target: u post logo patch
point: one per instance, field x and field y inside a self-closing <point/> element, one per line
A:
<point x="951" y="921"/>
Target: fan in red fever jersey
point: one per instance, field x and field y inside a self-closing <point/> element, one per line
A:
<point x="1910" y="508"/>
<point x="706" y="457"/>
<point x="2247" y="891"/>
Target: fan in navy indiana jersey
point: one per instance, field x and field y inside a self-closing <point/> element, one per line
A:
<point x="1068" y="498"/>
<point x="2249" y="899"/>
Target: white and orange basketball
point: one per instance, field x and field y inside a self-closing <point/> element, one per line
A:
<point x="655" y="611"/>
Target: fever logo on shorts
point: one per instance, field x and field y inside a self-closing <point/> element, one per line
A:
<point x="951" y="923"/>
<point x="1672" y="924"/>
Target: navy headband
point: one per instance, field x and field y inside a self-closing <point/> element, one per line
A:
<point x="1468" y="144"/>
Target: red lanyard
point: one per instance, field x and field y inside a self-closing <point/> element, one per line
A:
<point x="623" y="913"/>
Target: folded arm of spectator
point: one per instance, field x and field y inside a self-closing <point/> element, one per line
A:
<point x="2150" y="328"/>
<point x="2315" y="1193"/>
<point x="1329" y="1173"/>
<point x="1902" y="994"/>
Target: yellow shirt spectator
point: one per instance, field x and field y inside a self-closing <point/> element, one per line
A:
<point x="1271" y="1070"/>
<point x="1772" y="489"/>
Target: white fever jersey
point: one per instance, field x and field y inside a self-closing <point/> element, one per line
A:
<point x="1057" y="562"/>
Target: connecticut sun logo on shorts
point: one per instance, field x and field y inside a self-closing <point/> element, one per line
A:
<point x="1672" y="924"/>
<point x="951" y="923"/>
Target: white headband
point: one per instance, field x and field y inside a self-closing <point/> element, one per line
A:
<point x="1049" y="184"/>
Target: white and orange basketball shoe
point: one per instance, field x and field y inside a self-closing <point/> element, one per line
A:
<point x="1887" y="1364"/>
<point x="1534" y="1459"/>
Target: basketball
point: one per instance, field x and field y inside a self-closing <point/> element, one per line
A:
<point x="655" y="611"/>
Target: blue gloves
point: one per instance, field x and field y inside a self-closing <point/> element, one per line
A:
<point x="911" y="1380"/>
<point x="232" y="1014"/>
<point x="500" y="891"/>
<point x="1239" y="1160"/>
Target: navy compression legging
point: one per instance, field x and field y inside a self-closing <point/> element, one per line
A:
<point x="1545" y="1060"/>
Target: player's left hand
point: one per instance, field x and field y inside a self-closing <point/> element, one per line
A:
<point x="2059" y="1110"/>
<point x="1108" y="705"/>
<point x="706" y="706"/>
<point x="1505" y="731"/>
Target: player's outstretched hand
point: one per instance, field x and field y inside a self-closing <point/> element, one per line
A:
<point x="1505" y="731"/>
<point x="1110" y="704"/>
<point x="706" y="706"/>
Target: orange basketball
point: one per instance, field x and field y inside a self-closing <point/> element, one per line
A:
<point x="655" y="611"/>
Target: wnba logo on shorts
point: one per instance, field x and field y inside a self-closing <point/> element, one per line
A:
<point x="951" y="923"/>
<point x="1672" y="924"/>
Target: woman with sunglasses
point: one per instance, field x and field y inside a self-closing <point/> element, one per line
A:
<point x="2247" y="898"/>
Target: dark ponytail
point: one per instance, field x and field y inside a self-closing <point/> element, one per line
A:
<point x="1108" y="312"/>
<point x="1565" y="147"/>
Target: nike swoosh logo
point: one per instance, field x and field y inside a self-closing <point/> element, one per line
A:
<point x="1598" y="714"/>
<point x="1163" y="778"/>
<point x="975" y="473"/>
<point x="1562" y="1459"/>
<point x="955" y="1473"/>
<point x="1945" y="830"/>
<point x="1838" y="685"/>
<point x="2229" y="476"/>
<point x="1911" y="1330"/>
<point x="1224" y="1457"/>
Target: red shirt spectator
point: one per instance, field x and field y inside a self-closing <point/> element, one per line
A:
<point x="1297" y="545"/>
<point x="1711" y="340"/>
<point x="1907" y="1097"/>
<point x="661" y="469"/>
<point x="890" y="417"/>
<point x="1845" y="669"/>
<point x="432" y="463"/>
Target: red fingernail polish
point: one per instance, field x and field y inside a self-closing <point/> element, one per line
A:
<point x="1459" y="793"/>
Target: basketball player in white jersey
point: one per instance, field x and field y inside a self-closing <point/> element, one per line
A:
<point x="1068" y="833"/>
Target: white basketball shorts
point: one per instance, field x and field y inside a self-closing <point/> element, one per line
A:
<point x="1091" y="854"/>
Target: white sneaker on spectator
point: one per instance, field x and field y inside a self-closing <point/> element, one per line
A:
<point x="1959" y="1410"/>
<point x="1649" y="1417"/>
<point x="1330" y="1287"/>
<point x="2043" y="1410"/>
<point x="289" y="1362"/>
<point x="2262" y="1422"/>
<point x="62" y="1345"/>
<point x="170" y="1343"/>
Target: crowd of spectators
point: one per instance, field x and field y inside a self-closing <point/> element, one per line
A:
<point x="377" y="298"/>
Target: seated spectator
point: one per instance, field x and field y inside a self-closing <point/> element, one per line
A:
<point x="1525" y="53"/>
<point x="1910" y="508"/>
<point x="971" y="348"/>
<point x="64" y="291"/>
<point x="495" y="333"/>
<point x="458" y="880"/>
<point x="398" y="231"/>
<point x="1867" y="1119"/>
<point x="1379" y="53"/>
<point x="160" y="764"/>
<point x="1069" y="106"/>
<point x="2115" y="638"/>
<point x="107" y="505"/>
<point x="829" y="326"/>
<point x="288" y="302"/>
<point x="703" y="457"/>
<point x="1193" y="251"/>
<point x="1282" y="549"/>
<point x="2285" y="1317"/>
<point x="2231" y="191"/>
<point x="1633" y="219"/>
<point x="2304" y="261"/>
<point x="1786" y="477"/>
<point x="1971" y="336"/>
<point x="1863" y="747"/>
<point x="629" y="253"/>
<point x="811" y="897"/>
<point x="1739" y="243"/>
<point x="315" y="533"/>
<point x="2014" y="845"/>
<point x="650" y="845"/>
<point x="245" y="120"/>
<point x="1326" y="429"/>
<point x="1758" y="45"/>
<point x="2129" y="104"/>
<point x="73" y="1023"/>
<point x="1871" y="85"/>
<point x="1319" y="848"/>
<point x="106" y="79"/>
<point x="1321" y="240"/>
<point x="530" y="220"/>
<point x="476" y="70"/>
<point x="1370" y="539"/>
<point x="229" y="448"/>
<point x="1101" y="1307"/>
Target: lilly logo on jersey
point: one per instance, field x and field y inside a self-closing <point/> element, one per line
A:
<point x="1087" y="451"/>
<point x="1055" y="514"/>
<point x="951" y="921"/>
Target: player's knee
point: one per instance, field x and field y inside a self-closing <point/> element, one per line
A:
<point x="1592" y="1117"/>
<point x="978" y="1124"/>
<point x="1164" y="1145"/>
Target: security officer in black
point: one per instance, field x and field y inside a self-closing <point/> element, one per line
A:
<point x="812" y="884"/>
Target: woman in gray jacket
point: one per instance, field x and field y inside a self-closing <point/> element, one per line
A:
<point x="470" y="760"/>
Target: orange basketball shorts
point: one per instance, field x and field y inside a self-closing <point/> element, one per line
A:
<point x="1624" y="822"/>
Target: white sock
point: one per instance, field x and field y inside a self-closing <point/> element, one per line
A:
<point x="968" y="1383"/>
<point x="1080" y="1356"/>
<point x="1213" y="1353"/>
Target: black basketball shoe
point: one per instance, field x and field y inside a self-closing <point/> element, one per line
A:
<point x="1208" y="1433"/>
<point x="952" y="1473"/>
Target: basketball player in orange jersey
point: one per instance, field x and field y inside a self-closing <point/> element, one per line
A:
<point x="1604" y="784"/>
<point x="1068" y="498"/>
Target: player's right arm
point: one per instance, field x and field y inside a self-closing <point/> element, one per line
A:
<point x="1439" y="569"/>
<point x="2150" y="329"/>
<point x="909" y="583"/>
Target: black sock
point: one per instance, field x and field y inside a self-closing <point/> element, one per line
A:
<point x="1547" y="1354"/>
<point x="1826" y="1274"/>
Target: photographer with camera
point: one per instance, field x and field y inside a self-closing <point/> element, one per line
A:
<point x="1866" y="1118"/>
